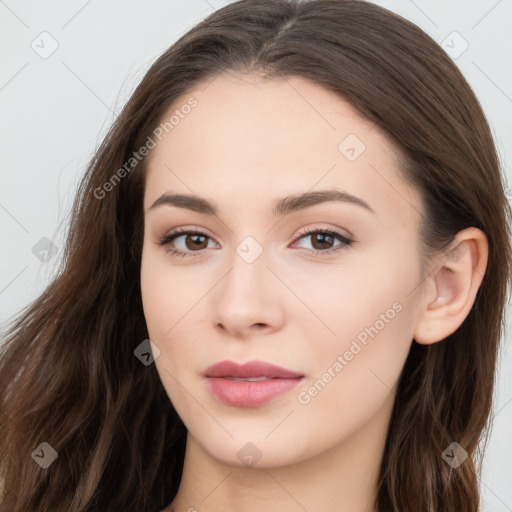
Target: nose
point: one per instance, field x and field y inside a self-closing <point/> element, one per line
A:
<point x="249" y="299"/>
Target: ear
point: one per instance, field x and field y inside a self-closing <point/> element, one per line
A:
<point x="451" y="288"/>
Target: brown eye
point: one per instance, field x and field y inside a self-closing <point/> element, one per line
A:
<point x="185" y="242"/>
<point x="323" y="240"/>
<point x="193" y="242"/>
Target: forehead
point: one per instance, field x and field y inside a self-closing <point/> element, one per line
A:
<point x="252" y="140"/>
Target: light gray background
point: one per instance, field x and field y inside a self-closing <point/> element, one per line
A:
<point x="55" y="110"/>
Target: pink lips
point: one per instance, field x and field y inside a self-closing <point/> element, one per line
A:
<point x="246" y="393"/>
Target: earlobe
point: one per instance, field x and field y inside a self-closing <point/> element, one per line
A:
<point x="452" y="286"/>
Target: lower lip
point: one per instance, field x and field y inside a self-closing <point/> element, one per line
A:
<point x="249" y="394"/>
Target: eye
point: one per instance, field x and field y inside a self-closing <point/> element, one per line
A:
<point x="193" y="242"/>
<point x="322" y="240"/>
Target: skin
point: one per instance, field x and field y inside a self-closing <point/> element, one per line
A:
<point x="248" y="143"/>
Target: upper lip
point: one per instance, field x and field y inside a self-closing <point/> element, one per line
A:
<point x="250" y="369"/>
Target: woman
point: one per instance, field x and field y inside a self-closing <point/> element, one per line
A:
<point x="283" y="286"/>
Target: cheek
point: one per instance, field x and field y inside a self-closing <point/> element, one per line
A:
<point x="170" y="299"/>
<point x="348" y="301"/>
<point x="155" y="300"/>
<point x="167" y="294"/>
<point x="355" y="376"/>
<point x="368" y="315"/>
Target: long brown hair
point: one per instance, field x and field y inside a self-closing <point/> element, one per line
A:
<point x="68" y="374"/>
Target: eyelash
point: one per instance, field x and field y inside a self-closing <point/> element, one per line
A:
<point x="168" y="238"/>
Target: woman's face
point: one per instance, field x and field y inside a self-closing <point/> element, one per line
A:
<point x="258" y="278"/>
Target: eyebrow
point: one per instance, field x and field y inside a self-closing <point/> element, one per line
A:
<point x="284" y="206"/>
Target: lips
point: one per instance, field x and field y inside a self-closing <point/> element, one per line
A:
<point x="252" y="384"/>
<point x="250" y="370"/>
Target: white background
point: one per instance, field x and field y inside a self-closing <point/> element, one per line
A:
<point x="56" y="110"/>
